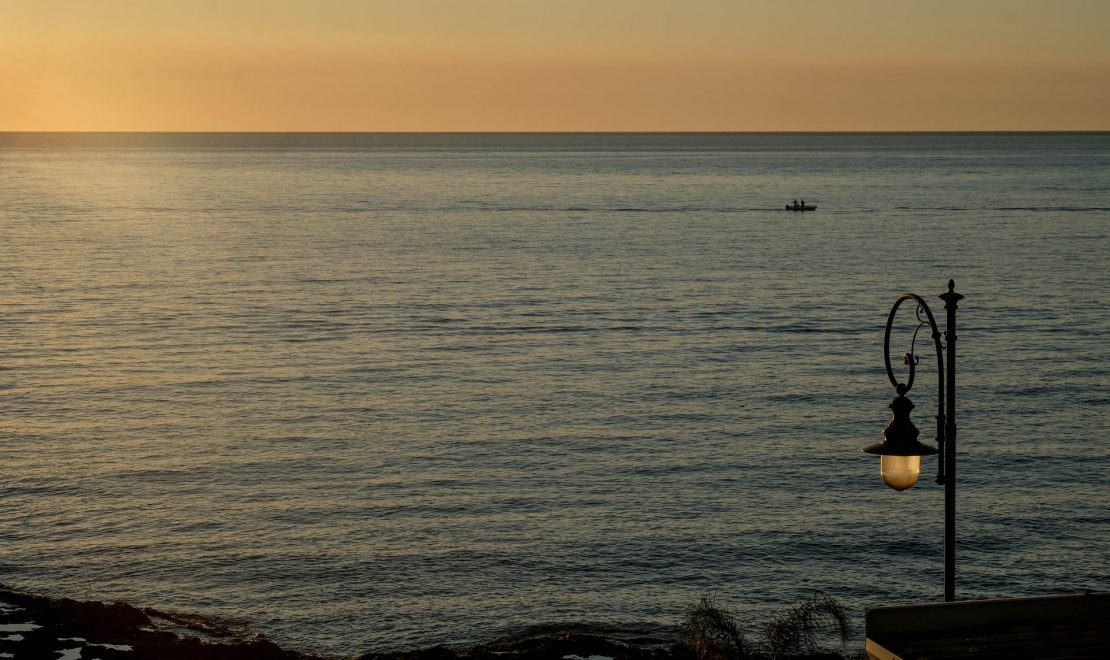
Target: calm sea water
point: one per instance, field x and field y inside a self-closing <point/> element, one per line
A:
<point x="374" y="391"/>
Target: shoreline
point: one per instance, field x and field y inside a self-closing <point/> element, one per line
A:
<point x="36" y="626"/>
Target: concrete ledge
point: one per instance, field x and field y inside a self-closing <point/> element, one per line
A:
<point x="1071" y="626"/>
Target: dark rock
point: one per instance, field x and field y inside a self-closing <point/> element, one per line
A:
<point x="68" y="624"/>
<point x="433" y="653"/>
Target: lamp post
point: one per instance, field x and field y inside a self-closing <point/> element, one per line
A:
<point x="899" y="449"/>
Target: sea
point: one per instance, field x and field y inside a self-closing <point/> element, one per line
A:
<point x="367" y="392"/>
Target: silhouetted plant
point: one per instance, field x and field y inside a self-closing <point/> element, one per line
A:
<point x="795" y="631"/>
<point x="711" y="631"/>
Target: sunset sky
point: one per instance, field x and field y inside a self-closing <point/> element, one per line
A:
<point x="547" y="65"/>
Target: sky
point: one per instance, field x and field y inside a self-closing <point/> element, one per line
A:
<point x="554" y="65"/>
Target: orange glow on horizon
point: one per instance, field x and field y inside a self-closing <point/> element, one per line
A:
<point x="430" y="66"/>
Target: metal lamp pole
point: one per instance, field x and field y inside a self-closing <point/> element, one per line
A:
<point x="900" y="451"/>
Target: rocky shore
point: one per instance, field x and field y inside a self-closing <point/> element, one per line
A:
<point x="34" y="627"/>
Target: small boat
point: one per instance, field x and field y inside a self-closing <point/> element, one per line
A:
<point x="795" y="207"/>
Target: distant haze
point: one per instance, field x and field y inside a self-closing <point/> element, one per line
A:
<point x="551" y="65"/>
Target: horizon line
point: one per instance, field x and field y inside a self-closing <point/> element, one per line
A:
<point x="563" y="132"/>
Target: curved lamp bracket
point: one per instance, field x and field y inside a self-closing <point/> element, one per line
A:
<point x="911" y="361"/>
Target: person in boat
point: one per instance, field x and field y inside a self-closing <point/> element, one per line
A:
<point x="795" y="203"/>
<point x="803" y="203"/>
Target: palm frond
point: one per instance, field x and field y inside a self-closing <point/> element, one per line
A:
<point x="795" y="631"/>
<point x="711" y="631"/>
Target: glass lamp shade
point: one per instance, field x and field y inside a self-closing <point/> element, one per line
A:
<point x="900" y="451"/>
<point x="900" y="472"/>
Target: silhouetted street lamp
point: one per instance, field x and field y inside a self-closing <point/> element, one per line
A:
<point x="900" y="450"/>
